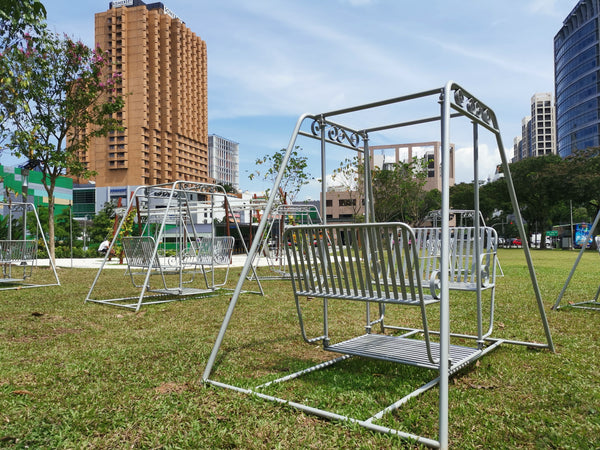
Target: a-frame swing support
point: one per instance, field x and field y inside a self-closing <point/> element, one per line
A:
<point x="22" y="250"/>
<point x="166" y="204"/>
<point x="588" y="304"/>
<point x="451" y="97"/>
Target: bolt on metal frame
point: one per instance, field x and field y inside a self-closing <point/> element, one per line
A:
<point x="454" y="102"/>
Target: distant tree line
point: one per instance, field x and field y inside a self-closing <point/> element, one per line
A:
<point x="548" y="189"/>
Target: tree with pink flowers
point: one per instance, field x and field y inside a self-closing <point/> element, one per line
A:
<point x="57" y="95"/>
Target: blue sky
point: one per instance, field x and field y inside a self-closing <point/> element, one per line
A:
<point x="271" y="60"/>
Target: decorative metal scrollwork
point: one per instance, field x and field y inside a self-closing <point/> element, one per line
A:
<point x="459" y="98"/>
<point x="336" y="133"/>
<point x="315" y="128"/>
<point x="466" y="102"/>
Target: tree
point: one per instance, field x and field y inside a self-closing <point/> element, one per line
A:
<point x="350" y="176"/>
<point x="492" y="198"/>
<point x="295" y="173"/>
<point x="535" y="182"/>
<point x="462" y="196"/>
<point x="103" y="223"/>
<point x="399" y="194"/>
<point x="18" y="16"/>
<point x="18" y="19"/>
<point x="582" y="175"/>
<point x="58" y="94"/>
<point x="63" y="232"/>
<point x="228" y="188"/>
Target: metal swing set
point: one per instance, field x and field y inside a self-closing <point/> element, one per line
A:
<point x="176" y="251"/>
<point x="19" y="249"/>
<point x="380" y="264"/>
<point x="594" y="303"/>
<point x="273" y="246"/>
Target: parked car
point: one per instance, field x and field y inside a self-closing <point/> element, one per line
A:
<point x="516" y="242"/>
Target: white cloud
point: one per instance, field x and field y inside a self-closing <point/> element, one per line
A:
<point x="489" y="158"/>
<point x="547" y="7"/>
<point x="358" y="2"/>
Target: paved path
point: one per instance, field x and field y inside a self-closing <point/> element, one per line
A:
<point x="95" y="263"/>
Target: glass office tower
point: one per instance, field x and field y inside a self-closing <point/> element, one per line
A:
<point x="577" y="79"/>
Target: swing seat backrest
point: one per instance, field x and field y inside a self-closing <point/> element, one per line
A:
<point x="463" y="245"/>
<point x="139" y="251"/>
<point x="215" y="250"/>
<point x="359" y="262"/>
<point x="19" y="250"/>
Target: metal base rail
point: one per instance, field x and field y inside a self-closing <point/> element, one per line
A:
<point x="591" y="304"/>
<point x="161" y="298"/>
<point x="331" y="416"/>
<point x="368" y="423"/>
<point x="18" y="283"/>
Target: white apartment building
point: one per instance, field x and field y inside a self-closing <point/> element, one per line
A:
<point x="538" y="131"/>
<point x="224" y="160"/>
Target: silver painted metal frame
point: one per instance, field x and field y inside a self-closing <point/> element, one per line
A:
<point x="592" y="304"/>
<point x="176" y="204"/>
<point x="454" y="102"/>
<point x="19" y="254"/>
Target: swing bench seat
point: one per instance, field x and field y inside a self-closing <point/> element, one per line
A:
<point x="404" y="350"/>
<point x="462" y="274"/>
<point x="19" y="252"/>
<point x="208" y="251"/>
<point x="376" y="264"/>
<point x="140" y="253"/>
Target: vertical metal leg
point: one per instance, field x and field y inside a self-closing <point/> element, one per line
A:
<point x="444" y="261"/>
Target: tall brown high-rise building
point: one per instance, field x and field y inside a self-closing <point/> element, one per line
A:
<point x="163" y="65"/>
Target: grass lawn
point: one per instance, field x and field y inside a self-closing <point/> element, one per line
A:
<point x="75" y="375"/>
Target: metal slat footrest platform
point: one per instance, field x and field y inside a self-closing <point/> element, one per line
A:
<point x="182" y="291"/>
<point x="403" y="350"/>
<point x="11" y="280"/>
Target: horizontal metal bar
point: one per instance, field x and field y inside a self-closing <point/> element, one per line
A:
<point x="406" y="124"/>
<point x="383" y="102"/>
<point x="363" y="298"/>
<point x="470" y="336"/>
<point x="292" y="376"/>
<point x="25" y="286"/>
